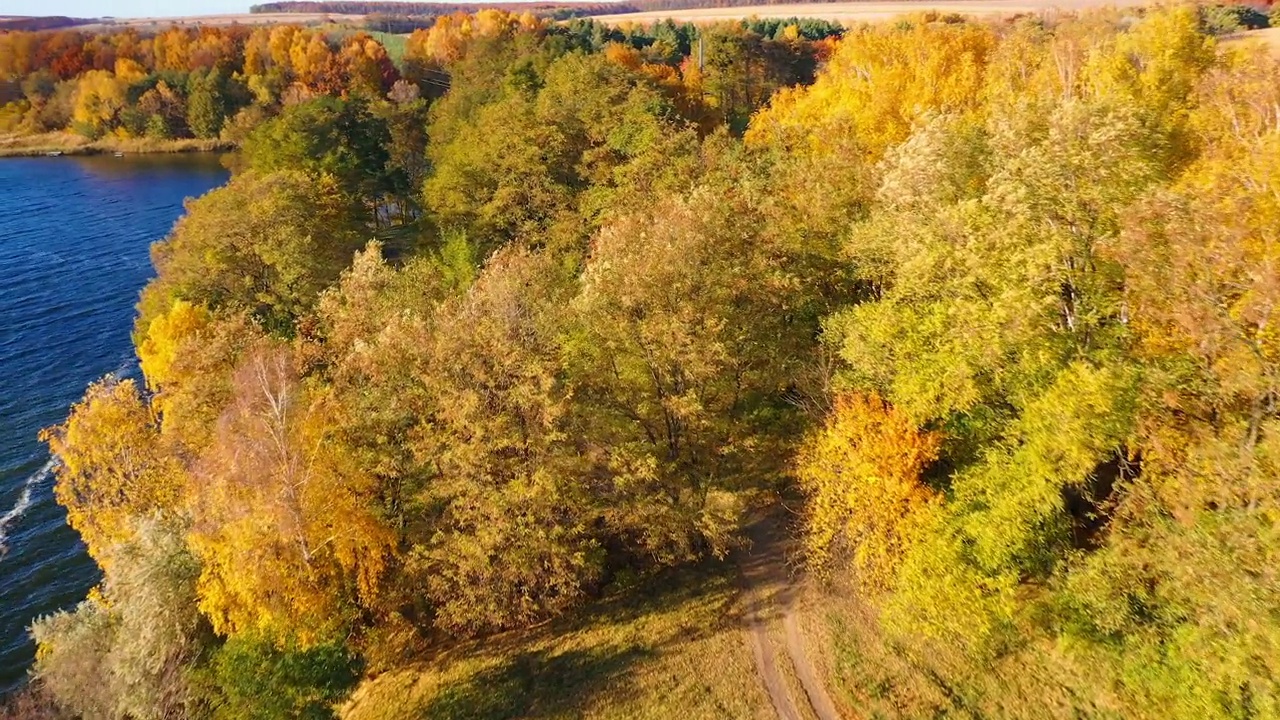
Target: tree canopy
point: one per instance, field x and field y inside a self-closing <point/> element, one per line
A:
<point x="987" y="301"/>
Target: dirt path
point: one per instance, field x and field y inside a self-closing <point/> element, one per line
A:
<point x="770" y="594"/>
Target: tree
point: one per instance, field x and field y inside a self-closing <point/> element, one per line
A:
<point x="127" y="651"/>
<point x="258" y="680"/>
<point x="511" y="540"/>
<point x="188" y="355"/>
<point x="681" y="347"/>
<point x="262" y="244"/>
<point x="863" y="472"/>
<point x="339" y="139"/>
<point x="516" y="164"/>
<point x="369" y="71"/>
<point x="206" y="105"/>
<point x="878" y="84"/>
<point x="274" y="486"/>
<point x="99" y="95"/>
<point x="113" y="465"/>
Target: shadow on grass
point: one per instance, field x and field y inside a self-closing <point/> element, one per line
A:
<point x="533" y="685"/>
<point x="530" y="677"/>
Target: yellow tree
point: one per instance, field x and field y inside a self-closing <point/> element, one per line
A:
<point x="172" y="49"/>
<point x="1154" y="68"/>
<point x="257" y="52"/>
<point x="862" y="472"/>
<point x="99" y="95"/>
<point x="443" y="42"/>
<point x="369" y="70"/>
<point x="284" y="526"/>
<point x="113" y="466"/>
<point x="280" y="45"/>
<point x="188" y="355"/>
<point x="129" y="71"/>
<point x="159" y="347"/>
<point x="310" y="58"/>
<point x="881" y="82"/>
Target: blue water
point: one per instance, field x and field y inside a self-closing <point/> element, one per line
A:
<point x="74" y="252"/>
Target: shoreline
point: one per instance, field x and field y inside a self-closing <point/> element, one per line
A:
<point x="59" y="145"/>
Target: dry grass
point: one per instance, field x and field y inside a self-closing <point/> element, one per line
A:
<point x="849" y="12"/>
<point x="16" y="145"/>
<point x="1269" y="37"/>
<point x="672" y="648"/>
<point x="873" y="674"/>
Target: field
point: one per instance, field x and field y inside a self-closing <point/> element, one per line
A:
<point x="865" y="11"/>
<point x="840" y="12"/>
<point x="229" y="19"/>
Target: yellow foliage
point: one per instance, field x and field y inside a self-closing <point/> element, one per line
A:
<point x="624" y="55"/>
<point x="112" y="465"/>
<point x="285" y="527"/>
<point x="862" y="472"/>
<point x="99" y="96"/>
<point x="1155" y="67"/>
<point x="159" y="349"/>
<point x="280" y="44"/>
<point x="172" y="50"/>
<point x="879" y="82"/>
<point x="448" y="39"/>
<point x="257" y="52"/>
<point x="129" y="71"/>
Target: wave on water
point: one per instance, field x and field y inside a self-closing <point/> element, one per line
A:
<point x="128" y="368"/>
<point x="24" y="502"/>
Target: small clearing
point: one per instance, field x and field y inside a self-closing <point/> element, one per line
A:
<point x="670" y="647"/>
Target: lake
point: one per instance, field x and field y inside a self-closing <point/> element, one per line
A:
<point x="75" y="235"/>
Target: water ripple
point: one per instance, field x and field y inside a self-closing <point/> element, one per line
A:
<point x="75" y="237"/>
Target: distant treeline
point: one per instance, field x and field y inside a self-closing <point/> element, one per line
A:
<point x="559" y="10"/>
<point x="410" y="9"/>
<point x="51" y="22"/>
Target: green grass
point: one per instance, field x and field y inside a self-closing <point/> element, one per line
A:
<point x="670" y="648"/>
<point x="394" y="43"/>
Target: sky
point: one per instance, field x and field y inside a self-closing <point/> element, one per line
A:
<point x="123" y="8"/>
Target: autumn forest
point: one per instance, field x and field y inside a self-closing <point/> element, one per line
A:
<point x="486" y="329"/>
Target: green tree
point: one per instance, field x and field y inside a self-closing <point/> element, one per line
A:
<point x="206" y="104"/>
<point x="255" y="679"/>
<point x="262" y="244"/>
<point x="328" y="137"/>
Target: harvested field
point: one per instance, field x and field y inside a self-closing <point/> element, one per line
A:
<point x="228" y="19"/>
<point x="866" y="11"/>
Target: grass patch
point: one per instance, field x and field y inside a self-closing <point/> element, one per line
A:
<point x="867" y="672"/>
<point x="1267" y="37"/>
<point x="874" y="675"/>
<point x="669" y="648"/>
<point x="394" y="43"/>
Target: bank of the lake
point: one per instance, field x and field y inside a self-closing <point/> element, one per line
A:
<point x="75" y="234"/>
<point x="63" y="143"/>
